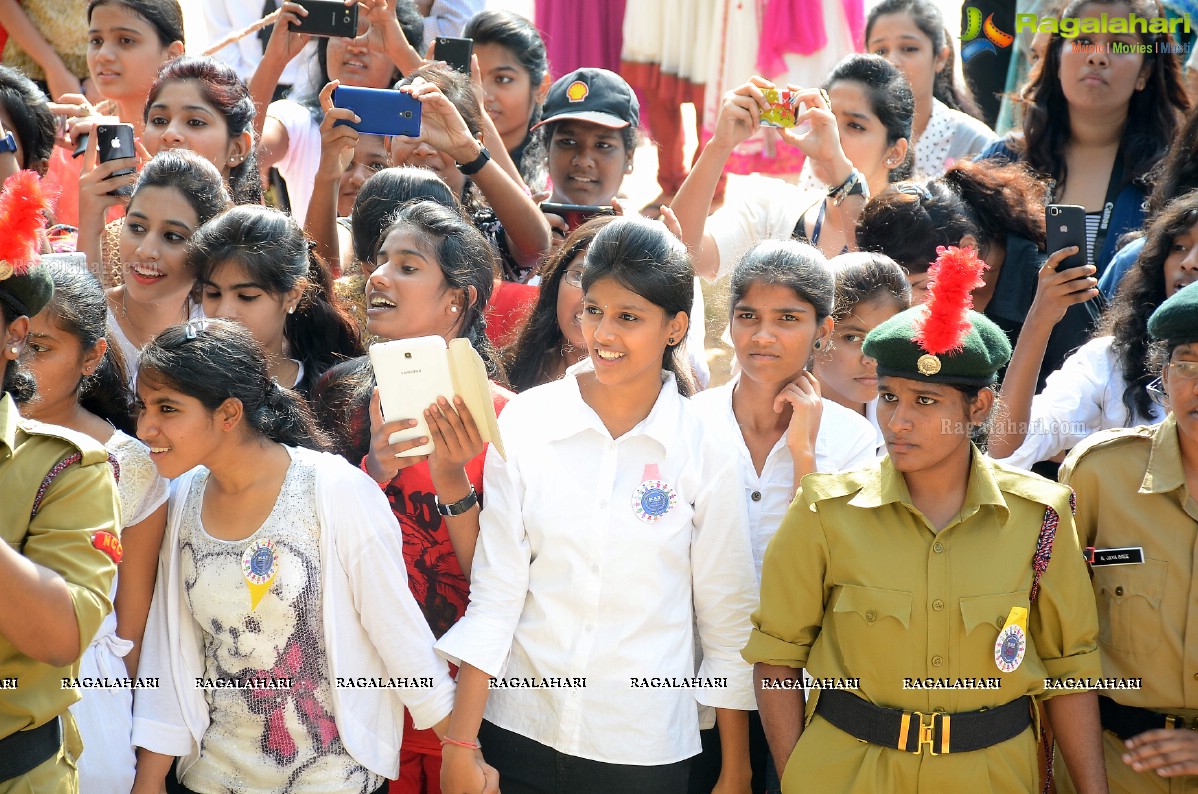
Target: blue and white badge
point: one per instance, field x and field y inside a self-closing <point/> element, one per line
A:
<point x="654" y="497"/>
<point x="1011" y="645"/>
<point x="259" y="565"/>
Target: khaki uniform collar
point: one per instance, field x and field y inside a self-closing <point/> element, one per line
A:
<point x="1165" y="472"/>
<point x="8" y="426"/>
<point x="890" y="487"/>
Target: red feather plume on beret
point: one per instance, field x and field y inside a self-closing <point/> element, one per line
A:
<point x="955" y="274"/>
<point x="22" y="217"/>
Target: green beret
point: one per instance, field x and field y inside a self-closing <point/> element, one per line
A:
<point x="27" y="293"/>
<point x="1176" y="320"/>
<point x="985" y="351"/>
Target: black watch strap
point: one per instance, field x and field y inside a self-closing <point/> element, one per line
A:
<point x="474" y="166"/>
<point x="460" y="506"/>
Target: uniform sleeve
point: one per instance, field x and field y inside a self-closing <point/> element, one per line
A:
<point x="500" y="570"/>
<point x="80" y="502"/>
<point x="724" y="584"/>
<point x="370" y="546"/>
<point x="1082" y="478"/>
<point x="793" y="590"/>
<point x="1064" y="618"/>
<point x="1068" y="409"/>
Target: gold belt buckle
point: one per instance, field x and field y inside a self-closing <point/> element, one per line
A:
<point x="1173" y="722"/>
<point x="927" y="732"/>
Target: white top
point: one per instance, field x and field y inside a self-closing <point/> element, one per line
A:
<point x="448" y="18"/>
<point x="771" y="212"/>
<point x="950" y="136"/>
<point x="131" y="353"/>
<point x="845" y="441"/>
<point x="1084" y="396"/>
<point x="228" y="16"/>
<point x="298" y="167"/>
<point x="265" y="740"/>
<point x="871" y="415"/>
<point x="372" y="630"/>
<point x="569" y="581"/>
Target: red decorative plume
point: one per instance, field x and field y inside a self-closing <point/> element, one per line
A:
<point x="22" y="217"/>
<point x="955" y="274"/>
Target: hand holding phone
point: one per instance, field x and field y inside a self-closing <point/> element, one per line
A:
<point x="456" y="52"/>
<point x="329" y="18"/>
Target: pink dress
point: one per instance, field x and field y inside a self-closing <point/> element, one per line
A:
<point x="579" y="34"/>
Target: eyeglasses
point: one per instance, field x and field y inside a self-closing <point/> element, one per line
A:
<point x="1184" y="370"/>
<point x="573" y="278"/>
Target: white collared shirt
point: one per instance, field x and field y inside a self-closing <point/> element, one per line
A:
<point x="1082" y="397"/>
<point x="846" y="440"/>
<point x="568" y="582"/>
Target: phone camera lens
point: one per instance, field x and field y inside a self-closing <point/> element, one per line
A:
<point x="407" y="114"/>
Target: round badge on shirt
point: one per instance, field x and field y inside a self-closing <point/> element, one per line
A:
<point x="652" y="499"/>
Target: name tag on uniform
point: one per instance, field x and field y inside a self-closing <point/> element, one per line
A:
<point x="1128" y="555"/>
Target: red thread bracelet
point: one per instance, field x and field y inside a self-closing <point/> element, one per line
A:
<point x="457" y="743"/>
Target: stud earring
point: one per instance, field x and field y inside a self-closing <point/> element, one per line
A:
<point x="14" y="350"/>
<point x="453" y="309"/>
<point x="817" y="344"/>
<point x="671" y="340"/>
<point x="291" y="310"/>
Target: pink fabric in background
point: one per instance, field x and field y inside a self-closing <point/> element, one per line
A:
<point x="581" y="33"/>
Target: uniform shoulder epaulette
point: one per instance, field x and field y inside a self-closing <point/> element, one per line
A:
<point x="1032" y="487"/>
<point x="1116" y="436"/>
<point x="821" y="486"/>
<point x="90" y="450"/>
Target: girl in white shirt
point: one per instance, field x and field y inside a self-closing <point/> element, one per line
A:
<point x="870" y="289"/>
<point x="615" y="524"/>
<point x="282" y="628"/>
<point x="782" y="298"/>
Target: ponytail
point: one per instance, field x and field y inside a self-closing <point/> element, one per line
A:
<point x="214" y="361"/>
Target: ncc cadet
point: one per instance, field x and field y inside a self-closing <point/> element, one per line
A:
<point x="943" y="586"/>
<point x="58" y="514"/>
<point x="1138" y="516"/>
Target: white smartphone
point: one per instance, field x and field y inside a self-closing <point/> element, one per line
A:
<point x="411" y="374"/>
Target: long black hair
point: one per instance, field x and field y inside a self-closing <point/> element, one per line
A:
<point x="29" y="116"/>
<point x="865" y="276"/>
<point x="80" y="308"/>
<point x="382" y="196"/>
<point x="193" y="177"/>
<point x="927" y="17"/>
<point x="215" y="360"/>
<point x="645" y="258"/>
<point x="1153" y="114"/>
<point x="1140" y="292"/>
<point x="520" y="37"/>
<point x="228" y="95"/>
<point x="274" y="252"/>
<point x="529" y="358"/>
<point x="988" y="200"/>
<point x="801" y="268"/>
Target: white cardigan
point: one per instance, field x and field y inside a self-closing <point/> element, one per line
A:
<point x="372" y="628"/>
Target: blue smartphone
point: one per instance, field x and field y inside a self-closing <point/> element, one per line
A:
<point x="383" y="111"/>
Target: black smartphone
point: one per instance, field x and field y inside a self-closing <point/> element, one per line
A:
<point x="1065" y="225"/>
<point x="455" y="52"/>
<point x="81" y="145"/>
<point x="383" y="111"/>
<point x="328" y="18"/>
<point x="115" y="142"/>
<point x="576" y="215"/>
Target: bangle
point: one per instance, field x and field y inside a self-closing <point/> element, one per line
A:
<point x="457" y="743"/>
<point x="460" y="506"/>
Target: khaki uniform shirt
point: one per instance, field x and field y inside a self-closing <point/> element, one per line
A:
<point x="1131" y="491"/>
<point x="81" y="501"/>
<point x="858" y="585"/>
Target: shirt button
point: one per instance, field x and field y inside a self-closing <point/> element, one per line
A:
<point x="1196" y="676"/>
<point x="1000" y="621"/>
<point x="871" y="616"/>
<point x="937" y="661"/>
<point x="756" y="496"/>
<point x="937" y="547"/>
<point x="937" y="605"/>
<point x="1119" y="590"/>
<point x="594" y="569"/>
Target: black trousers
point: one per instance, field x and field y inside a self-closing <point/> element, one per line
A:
<point x="529" y="767"/>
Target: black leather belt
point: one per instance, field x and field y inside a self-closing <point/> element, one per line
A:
<point x="911" y="731"/>
<point x="24" y="751"/>
<point x="1128" y="721"/>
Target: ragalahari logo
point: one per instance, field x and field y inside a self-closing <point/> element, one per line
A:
<point x="993" y="38"/>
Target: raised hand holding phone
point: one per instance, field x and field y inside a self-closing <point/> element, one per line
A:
<point x="740" y="113"/>
<point x="442" y="127"/>
<point x="820" y="138"/>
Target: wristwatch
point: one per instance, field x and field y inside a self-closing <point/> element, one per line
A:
<point x="460" y="506"/>
<point x="8" y="143"/>
<point x="474" y="166"/>
<point x="855" y="185"/>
